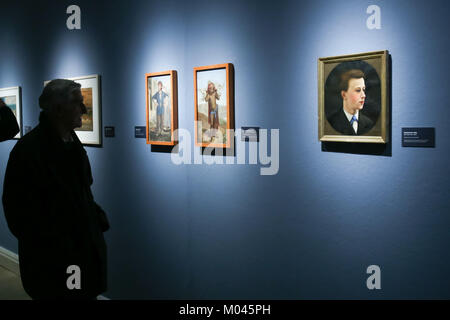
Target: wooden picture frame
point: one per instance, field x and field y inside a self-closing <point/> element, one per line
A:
<point x="90" y="134"/>
<point x="12" y="97"/>
<point x="220" y="121"/>
<point x="366" y="72"/>
<point x="161" y="118"/>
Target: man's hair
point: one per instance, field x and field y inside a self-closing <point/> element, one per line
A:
<point x="57" y="92"/>
<point x="346" y="76"/>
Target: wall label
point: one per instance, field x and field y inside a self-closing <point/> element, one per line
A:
<point x="418" y="137"/>
<point x="110" y="132"/>
<point x="140" y="132"/>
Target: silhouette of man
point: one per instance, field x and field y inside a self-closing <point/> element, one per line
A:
<point x="49" y="206"/>
<point x="8" y="123"/>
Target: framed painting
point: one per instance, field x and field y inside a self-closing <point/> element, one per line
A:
<point x="162" y="108"/>
<point x="13" y="99"/>
<point x="214" y="105"/>
<point x="90" y="133"/>
<point x="354" y="98"/>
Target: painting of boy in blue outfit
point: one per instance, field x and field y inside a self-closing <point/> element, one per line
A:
<point x="160" y="98"/>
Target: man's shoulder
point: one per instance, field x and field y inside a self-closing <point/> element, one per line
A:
<point x="29" y="142"/>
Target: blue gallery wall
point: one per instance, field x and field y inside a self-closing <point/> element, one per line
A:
<point x="218" y="232"/>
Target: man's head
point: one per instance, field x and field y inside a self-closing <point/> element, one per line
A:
<point x="160" y="85"/>
<point x="62" y="101"/>
<point x="353" y="90"/>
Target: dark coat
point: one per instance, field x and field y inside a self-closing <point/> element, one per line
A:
<point x="49" y="207"/>
<point x="341" y="124"/>
<point x="8" y="124"/>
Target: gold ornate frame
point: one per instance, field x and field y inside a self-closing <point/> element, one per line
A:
<point x="326" y="135"/>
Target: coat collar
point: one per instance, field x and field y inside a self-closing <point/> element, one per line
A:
<point x="53" y="150"/>
<point x="348" y="128"/>
<point x="52" y="136"/>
